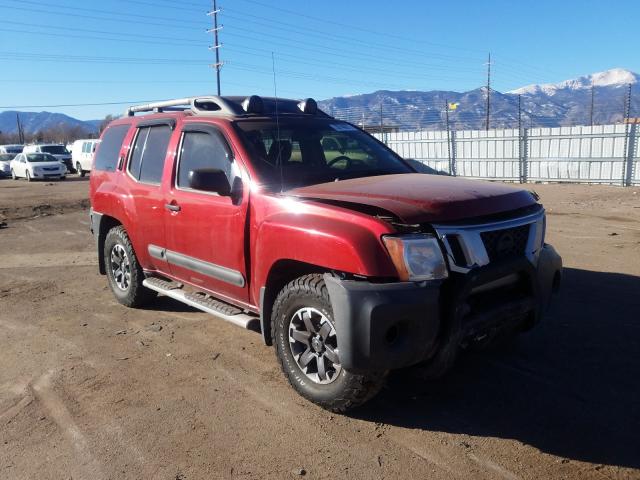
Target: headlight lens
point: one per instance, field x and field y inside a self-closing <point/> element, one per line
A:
<point x="417" y="257"/>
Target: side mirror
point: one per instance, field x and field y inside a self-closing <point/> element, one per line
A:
<point x="210" y="180"/>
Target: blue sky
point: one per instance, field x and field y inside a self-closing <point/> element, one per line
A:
<point x="73" y="52"/>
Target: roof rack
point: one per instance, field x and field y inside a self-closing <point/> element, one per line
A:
<point x="211" y="105"/>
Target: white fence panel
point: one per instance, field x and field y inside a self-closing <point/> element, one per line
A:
<point x="582" y="154"/>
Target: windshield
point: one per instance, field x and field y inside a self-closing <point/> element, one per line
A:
<point x="54" y="149"/>
<point x="40" y="157"/>
<point x="313" y="151"/>
<point x="7" y="157"/>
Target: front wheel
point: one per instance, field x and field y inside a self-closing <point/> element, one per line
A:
<point x="79" y="169"/>
<point x="303" y="329"/>
<point x="13" y="174"/>
<point x="123" y="270"/>
<point x="28" y="175"/>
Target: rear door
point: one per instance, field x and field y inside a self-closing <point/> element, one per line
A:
<point x="205" y="231"/>
<point x="144" y="172"/>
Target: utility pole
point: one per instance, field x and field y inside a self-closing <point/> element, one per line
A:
<point x="627" y="105"/>
<point x="381" y="124"/>
<point x="446" y="113"/>
<point x="20" y="130"/>
<point x="216" y="44"/>
<point x="488" y="91"/>
<point x="592" y="97"/>
<point x="627" y="166"/>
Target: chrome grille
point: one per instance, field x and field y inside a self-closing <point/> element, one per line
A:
<point x="507" y="243"/>
<point x="472" y="245"/>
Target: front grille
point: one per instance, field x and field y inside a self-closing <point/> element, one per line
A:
<point x="507" y="243"/>
<point x="50" y="169"/>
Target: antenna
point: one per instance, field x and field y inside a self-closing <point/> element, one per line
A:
<point x="216" y="45"/>
<point x="279" y="147"/>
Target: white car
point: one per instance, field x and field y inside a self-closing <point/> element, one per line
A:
<point x="56" y="149"/>
<point x="37" y="166"/>
<point x="82" y="155"/>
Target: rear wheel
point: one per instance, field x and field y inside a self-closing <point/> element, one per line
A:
<point x="123" y="270"/>
<point x="303" y="329"/>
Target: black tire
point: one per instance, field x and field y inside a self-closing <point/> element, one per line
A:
<point x="79" y="169"/>
<point x="13" y="175"/>
<point x="28" y="175"/>
<point x="131" y="292"/>
<point x="346" y="390"/>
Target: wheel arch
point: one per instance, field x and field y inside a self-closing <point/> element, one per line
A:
<point x="104" y="224"/>
<point x="281" y="272"/>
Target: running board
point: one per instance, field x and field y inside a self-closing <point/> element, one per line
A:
<point x="201" y="301"/>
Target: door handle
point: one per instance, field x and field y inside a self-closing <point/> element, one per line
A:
<point x="173" y="207"/>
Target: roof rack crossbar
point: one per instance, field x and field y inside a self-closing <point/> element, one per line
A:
<point x="191" y="103"/>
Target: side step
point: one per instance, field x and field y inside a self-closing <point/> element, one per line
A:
<point x="201" y="301"/>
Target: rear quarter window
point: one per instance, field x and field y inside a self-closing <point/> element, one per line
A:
<point x="107" y="155"/>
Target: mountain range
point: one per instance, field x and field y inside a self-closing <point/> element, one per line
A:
<point x="547" y="105"/>
<point x="33" y="122"/>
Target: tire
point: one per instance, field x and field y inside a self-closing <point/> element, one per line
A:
<point x="338" y="390"/>
<point x="28" y="175"/>
<point x="124" y="273"/>
<point x="13" y="175"/>
<point x="79" y="169"/>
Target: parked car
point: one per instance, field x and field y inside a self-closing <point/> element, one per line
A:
<point x="5" y="164"/>
<point x="57" y="150"/>
<point x="15" y="149"/>
<point x="37" y="166"/>
<point x="351" y="265"/>
<point x="82" y="155"/>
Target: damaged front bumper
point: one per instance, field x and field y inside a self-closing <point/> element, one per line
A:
<point x="384" y="326"/>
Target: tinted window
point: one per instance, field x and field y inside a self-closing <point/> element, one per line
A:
<point x="149" y="152"/>
<point x="136" y="155"/>
<point x="107" y="154"/>
<point x="54" y="149"/>
<point x="202" y="150"/>
<point x="154" y="154"/>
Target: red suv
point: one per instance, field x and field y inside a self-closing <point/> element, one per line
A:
<point x="273" y="215"/>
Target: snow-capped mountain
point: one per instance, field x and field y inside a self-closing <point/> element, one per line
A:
<point x="547" y="105"/>
<point x="616" y="77"/>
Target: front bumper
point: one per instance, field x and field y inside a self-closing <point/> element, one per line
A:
<point x="384" y="326"/>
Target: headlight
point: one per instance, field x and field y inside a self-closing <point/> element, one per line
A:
<point x="417" y="257"/>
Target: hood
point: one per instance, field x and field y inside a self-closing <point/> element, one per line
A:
<point x="419" y="198"/>
<point x="62" y="156"/>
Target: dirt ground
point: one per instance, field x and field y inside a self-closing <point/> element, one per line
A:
<point x="92" y="390"/>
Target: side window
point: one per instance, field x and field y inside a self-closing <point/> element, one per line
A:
<point x="202" y="150"/>
<point x="149" y="152"/>
<point x="85" y="147"/>
<point x="107" y="154"/>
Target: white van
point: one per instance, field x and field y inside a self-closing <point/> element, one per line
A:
<point x="82" y="155"/>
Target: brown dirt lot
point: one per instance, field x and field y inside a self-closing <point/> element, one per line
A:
<point x="91" y="390"/>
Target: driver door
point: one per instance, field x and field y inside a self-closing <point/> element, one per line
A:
<point x="205" y="231"/>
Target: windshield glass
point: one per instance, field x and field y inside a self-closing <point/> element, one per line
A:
<point x="55" y="149"/>
<point x="40" y="157"/>
<point x="313" y="151"/>
<point x="6" y="157"/>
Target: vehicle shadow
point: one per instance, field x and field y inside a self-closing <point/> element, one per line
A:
<point x="570" y="388"/>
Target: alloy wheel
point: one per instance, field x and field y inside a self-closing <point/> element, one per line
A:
<point x="313" y="343"/>
<point x="120" y="267"/>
